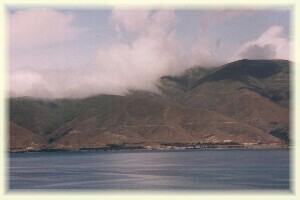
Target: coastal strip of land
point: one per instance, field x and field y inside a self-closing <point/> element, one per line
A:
<point x="165" y="146"/>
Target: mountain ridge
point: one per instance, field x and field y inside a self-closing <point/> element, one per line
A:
<point x="245" y="101"/>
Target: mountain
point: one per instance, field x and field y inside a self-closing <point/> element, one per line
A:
<point x="246" y="101"/>
<point x="254" y="92"/>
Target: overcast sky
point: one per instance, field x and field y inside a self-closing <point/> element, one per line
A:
<point x="57" y="53"/>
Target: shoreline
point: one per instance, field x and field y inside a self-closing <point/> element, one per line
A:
<point x="108" y="149"/>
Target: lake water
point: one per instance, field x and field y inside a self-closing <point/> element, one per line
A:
<point x="151" y="170"/>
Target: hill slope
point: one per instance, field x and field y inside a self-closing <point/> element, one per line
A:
<point x="244" y="101"/>
<point x="250" y="91"/>
<point x="20" y="138"/>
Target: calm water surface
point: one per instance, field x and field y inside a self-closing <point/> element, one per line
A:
<point x="188" y="169"/>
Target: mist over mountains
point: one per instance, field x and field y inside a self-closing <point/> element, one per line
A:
<point x="246" y="101"/>
<point x="77" y="53"/>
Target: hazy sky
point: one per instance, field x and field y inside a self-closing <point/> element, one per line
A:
<point x="58" y="53"/>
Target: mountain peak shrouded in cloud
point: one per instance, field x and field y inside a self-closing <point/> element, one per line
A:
<point x="56" y="54"/>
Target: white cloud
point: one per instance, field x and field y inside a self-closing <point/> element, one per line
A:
<point x="38" y="27"/>
<point x="147" y="49"/>
<point x="153" y="50"/>
<point x="22" y="80"/>
<point x="60" y="56"/>
<point x="201" y="52"/>
<point x="272" y="44"/>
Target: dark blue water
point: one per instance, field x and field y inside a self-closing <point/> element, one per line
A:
<point x="193" y="169"/>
